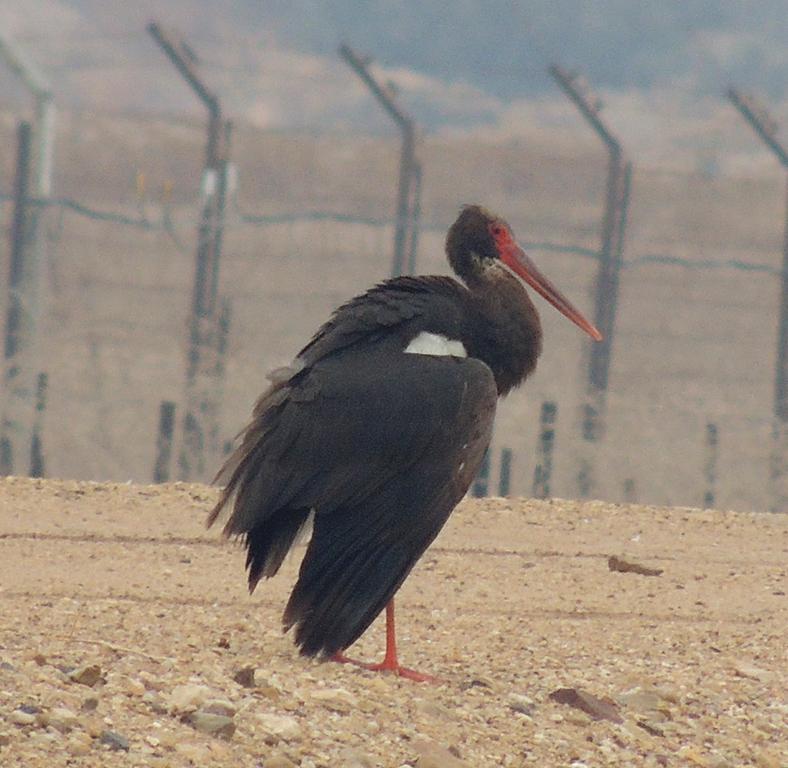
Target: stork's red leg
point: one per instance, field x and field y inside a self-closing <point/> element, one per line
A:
<point x="390" y="662"/>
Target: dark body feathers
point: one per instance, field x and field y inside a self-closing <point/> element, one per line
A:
<point x="378" y="444"/>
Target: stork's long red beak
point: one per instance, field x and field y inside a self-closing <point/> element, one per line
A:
<point x="519" y="262"/>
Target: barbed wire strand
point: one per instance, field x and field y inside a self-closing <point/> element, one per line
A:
<point x="165" y="224"/>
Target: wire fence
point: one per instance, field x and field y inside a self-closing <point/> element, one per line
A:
<point x="694" y="345"/>
<point x="165" y="224"/>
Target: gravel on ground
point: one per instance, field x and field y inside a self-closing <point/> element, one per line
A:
<point x="565" y="634"/>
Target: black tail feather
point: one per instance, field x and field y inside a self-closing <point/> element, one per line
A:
<point x="344" y="583"/>
<point x="267" y="544"/>
<point x="247" y="484"/>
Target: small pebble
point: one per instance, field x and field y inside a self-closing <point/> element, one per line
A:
<point x="245" y="677"/>
<point x="215" y="725"/>
<point x="114" y="741"/>
<point x="434" y="755"/>
<point x="219" y="707"/>
<point x="20" y="717"/>
<point x="88" y="675"/>
<point x="134" y="687"/>
<point x="79" y="744"/>
<point x="198" y="754"/>
<point x="269" y="692"/>
<point x="61" y="719"/>
<point x="640" y="700"/>
<point x="276" y="727"/>
<point x="186" y="698"/>
<point x="155" y="702"/>
<point x="335" y="699"/>
<point x="521" y="704"/>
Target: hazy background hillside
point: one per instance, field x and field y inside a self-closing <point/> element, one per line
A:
<point x="462" y="66"/>
<point x="498" y="46"/>
<point x="697" y="321"/>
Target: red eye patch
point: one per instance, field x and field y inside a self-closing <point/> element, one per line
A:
<point x="501" y="235"/>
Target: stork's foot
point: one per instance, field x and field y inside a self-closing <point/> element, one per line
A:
<point x="388" y="665"/>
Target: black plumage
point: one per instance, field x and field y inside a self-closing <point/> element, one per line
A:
<point x="377" y="444"/>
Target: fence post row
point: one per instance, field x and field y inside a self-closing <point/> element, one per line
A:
<point x="710" y="465"/>
<point x="505" y="472"/>
<point x="543" y="471"/>
<point x="26" y="257"/>
<point x="161" y="469"/>
<point x="15" y="428"/>
<point x="222" y="331"/>
<point x="481" y="485"/>
<point x="200" y="420"/>
<point x="37" y="456"/>
<point x="409" y="184"/>
<point x="21" y="420"/>
<point x="607" y="280"/>
<point x="766" y="128"/>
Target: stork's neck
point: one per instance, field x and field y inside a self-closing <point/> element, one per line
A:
<point x="506" y="331"/>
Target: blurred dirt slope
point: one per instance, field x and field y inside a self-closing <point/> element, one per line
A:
<point x="694" y="345"/>
<point x="124" y="624"/>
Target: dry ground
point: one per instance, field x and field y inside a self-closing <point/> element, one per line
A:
<point x="514" y="601"/>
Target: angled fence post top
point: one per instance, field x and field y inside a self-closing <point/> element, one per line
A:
<point x="186" y="62"/>
<point x="43" y="125"/>
<point x="384" y="93"/>
<point x="589" y="105"/>
<point x="409" y="185"/>
<point x="19" y="63"/>
<point x="761" y="121"/>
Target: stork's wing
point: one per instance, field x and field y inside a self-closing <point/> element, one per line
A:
<point x="379" y="444"/>
<point x="381" y="447"/>
<point x="393" y="304"/>
<point x="338" y="432"/>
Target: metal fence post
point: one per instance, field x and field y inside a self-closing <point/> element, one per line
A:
<point x="199" y="421"/>
<point x="710" y="465"/>
<point x="607" y="281"/>
<point x="37" y="455"/>
<point x="766" y="129"/>
<point x="409" y="184"/>
<point x="16" y="425"/>
<point x="161" y="470"/>
<point x="505" y="472"/>
<point x="481" y="485"/>
<point x="543" y="471"/>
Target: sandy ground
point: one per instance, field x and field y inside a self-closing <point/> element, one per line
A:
<point x="125" y="623"/>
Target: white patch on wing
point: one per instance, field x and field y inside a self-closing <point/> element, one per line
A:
<point x="427" y="343"/>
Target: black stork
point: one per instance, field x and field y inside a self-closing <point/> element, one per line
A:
<point x="378" y="428"/>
